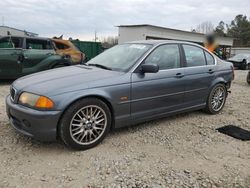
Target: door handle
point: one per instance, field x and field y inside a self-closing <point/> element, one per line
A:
<point x="210" y="71"/>
<point x="179" y="75"/>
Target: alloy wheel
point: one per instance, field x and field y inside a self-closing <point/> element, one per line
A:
<point x="88" y="125"/>
<point x="218" y="98"/>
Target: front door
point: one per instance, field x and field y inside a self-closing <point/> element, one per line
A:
<point x="10" y="57"/>
<point x="161" y="92"/>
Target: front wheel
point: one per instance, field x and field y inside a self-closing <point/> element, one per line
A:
<point x="248" y="78"/>
<point x="244" y="64"/>
<point x="216" y="99"/>
<point x="85" y="123"/>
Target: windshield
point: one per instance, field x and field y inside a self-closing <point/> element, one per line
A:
<point x="121" y="57"/>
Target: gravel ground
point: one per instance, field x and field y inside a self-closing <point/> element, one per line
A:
<point x="179" y="151"/>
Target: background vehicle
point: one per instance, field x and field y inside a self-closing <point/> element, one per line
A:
<point x="127" y="84"/>
<point x="67" y="48"/>
<point x="242" y="61"/>
<point x="20" y="56"/>
<point x="248" y="78"/>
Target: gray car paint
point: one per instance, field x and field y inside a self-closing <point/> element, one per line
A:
<point x="133" y="97"/>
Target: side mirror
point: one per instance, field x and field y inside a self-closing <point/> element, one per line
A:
<point x="149" y="68"/>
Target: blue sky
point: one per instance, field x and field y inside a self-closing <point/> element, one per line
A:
<point x="80" y="18"/>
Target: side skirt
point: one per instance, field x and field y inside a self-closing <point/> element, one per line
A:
<point x="131" y="121"/>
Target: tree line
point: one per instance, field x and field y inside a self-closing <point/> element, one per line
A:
<point x="238" y="28"/>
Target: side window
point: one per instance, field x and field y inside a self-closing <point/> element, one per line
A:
<point x="38" y="44"/>
<point x="194" y="56"/>
<point x="11" y="42"/>
<point x="6" y="43"/>
<point x="210" y="59"/>
<point x="166" y="56"/>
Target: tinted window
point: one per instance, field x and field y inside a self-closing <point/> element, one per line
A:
<point x="38" y="44"/>
<point x="11" y="42"/>
<point x="166" y="56"/>
<point x="194" y="56"/>
<point x="210" y="59"/>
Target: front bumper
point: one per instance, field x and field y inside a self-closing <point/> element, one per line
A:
<point x="41" y="125"/>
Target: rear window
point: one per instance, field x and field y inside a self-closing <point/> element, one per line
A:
<point x="38" y="44"/>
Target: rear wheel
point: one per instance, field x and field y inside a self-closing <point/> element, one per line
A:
<point x="244" y="65"/>
<point x="248" y="66"/>
<point x="216" y="99"/>
<point x="85" y="123"/>
<point x="248" y="78"/>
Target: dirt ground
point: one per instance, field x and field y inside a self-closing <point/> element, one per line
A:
<point x="179" y="151"/>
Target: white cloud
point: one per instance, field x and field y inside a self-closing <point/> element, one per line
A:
<point x="78" y="18"/>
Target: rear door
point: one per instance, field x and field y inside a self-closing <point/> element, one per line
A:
<point x="199" y="74"/>
<point x="10" y="57"/>
<point x="36" y="51"/>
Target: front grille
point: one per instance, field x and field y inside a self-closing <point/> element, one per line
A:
<point x="12" y="93"/>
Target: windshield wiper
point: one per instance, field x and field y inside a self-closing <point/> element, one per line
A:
<point x="100" y="66"/>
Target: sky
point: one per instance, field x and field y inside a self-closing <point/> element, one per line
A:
<point x="81" y="18"/>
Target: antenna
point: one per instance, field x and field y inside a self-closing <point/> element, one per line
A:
<point x="2" y="20"/>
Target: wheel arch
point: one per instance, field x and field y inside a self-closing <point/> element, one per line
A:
<point x="102" y="98"/>
<point x="219" y="80"/>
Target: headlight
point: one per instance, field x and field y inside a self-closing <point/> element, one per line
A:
<point x="36" y="101"/>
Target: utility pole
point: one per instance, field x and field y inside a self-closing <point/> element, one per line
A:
<point x="95" y="36"/>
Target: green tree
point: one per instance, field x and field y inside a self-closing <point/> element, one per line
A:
<point x="240" y="30"/>
<point x="220" y="30"/>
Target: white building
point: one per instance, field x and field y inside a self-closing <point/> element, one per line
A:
<point x="5" y="30"/>
<point x="147" y="32"/>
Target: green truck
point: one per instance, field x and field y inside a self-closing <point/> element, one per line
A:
<point x="21" y="56"/>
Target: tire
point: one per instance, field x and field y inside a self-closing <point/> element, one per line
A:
<point x="248" y="66"/>
<point x="213" y="99"/>
<point x="81" y="131"/>
<point x="244" y="65"/>
<point x="248" y="78"/>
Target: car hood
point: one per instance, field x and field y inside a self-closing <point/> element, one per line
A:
<point x="235" y="59"/>
<point x="61" y="80"/>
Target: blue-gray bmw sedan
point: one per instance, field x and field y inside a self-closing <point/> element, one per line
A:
<point x="127" y="84"/>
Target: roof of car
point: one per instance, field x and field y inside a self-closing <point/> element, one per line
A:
<point x="29" y="37"/>
<point x="157" y="42"/>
